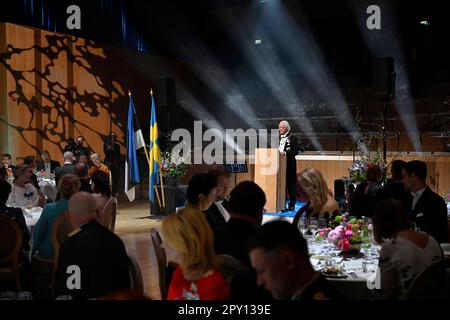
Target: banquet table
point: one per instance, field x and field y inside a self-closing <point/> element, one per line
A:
<point x="359" y="271"/>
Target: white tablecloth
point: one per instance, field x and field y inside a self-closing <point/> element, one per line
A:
<point x="360" y="270"/>
<point x="32" y="216"/>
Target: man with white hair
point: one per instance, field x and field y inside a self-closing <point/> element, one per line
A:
<point x="93" y="261"/>
<point x="67" y="167"/>
<point x="289" y="147"/>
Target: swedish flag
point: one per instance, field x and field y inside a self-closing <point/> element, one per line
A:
<point x="155" y="152"/>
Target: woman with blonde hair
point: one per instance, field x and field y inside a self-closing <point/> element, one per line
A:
<point x="321" y="202"/>
<point x="188" y="242"/>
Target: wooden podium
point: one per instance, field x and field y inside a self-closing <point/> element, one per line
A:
<point x="270" y="175"/>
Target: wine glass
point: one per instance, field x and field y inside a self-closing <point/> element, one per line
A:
<point x="313" y="225"/>
<point x="303" y="225"/>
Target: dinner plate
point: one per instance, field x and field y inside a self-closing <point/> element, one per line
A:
<point x="340" y="275"/>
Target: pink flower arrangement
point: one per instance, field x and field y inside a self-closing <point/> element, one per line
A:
<point x="348" y="233"/>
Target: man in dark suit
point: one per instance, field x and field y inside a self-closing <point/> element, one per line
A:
<point x="246" y="206"/>
<point x="289" y="147"/>
<point x="47" y="164"/>
<point x="7" y="169"/>
<point x="93" y="261"/>
<point x="81" y="171"/>
<point x="218" y="214"/>
<point x="67" y="167"/>
<point x="112" y="160"/>
<point x="395" y="189"/>
<point x="429" y="211"/>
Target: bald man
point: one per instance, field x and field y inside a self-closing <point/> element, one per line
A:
<point x="92" y="261"/>
<point x="289" y="147"/>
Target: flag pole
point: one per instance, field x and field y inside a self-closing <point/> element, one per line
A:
<point x="145" y="147"/>
<point x="160" y="175"/>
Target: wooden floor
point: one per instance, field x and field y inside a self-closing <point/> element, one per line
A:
<point x="133" y="226"/>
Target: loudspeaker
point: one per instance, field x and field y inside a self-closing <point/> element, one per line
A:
<point x="165" y="92"/>
<point x="339" y="190"/>
<point x="383" y="77"/>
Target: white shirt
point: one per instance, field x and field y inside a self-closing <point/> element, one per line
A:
<point x="283" y="139"/>
<point x="223" y="211"/>
<point x="48" y="167"/>
<point x="416" y="196"/>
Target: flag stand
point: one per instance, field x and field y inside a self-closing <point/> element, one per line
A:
<point x="160" y="179"/>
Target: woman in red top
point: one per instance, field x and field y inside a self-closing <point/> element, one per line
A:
<point x="188" y="242"/>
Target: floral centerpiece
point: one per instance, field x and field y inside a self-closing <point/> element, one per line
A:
<point x="349" y="235"/>
<point x="357" y="171"/>
<point x="172" y="166"/>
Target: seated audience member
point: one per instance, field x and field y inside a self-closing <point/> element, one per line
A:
<point x="201" y="191"/>
<point x="218" y="215"/>
<point x="321" y="202"/>
<point x="19" y="161"/>
<point x="98" y="166"/>
<point x="81" y="171"/>
<point x="365" y="196"/>
<point x="102" y="192"/>
<point x="32" y="163"/>
<point x="246" y="205"/>
<point x="395" y="189"/>
<point x="23" y="193"/>
<point x="66" y="168"/>
<point x="429" y="210"/>
<point x="15" y="213"/>
<point x="47" y="164"/>
<point x="188" y="242"/>
<point x="404" y="253"/>
<point x="7" y="168"/>
<point x="42" y="235"/>
<point x="279" y="254"/>
<point x="99" y="253"/>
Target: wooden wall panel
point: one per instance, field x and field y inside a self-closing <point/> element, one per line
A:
<point x="21" y="87"/>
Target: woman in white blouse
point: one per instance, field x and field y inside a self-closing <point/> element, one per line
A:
<point x="23" y="193"/>
<point x="405" y="253"/>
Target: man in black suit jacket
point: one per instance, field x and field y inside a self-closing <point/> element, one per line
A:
<point x="218" y="213"/>
<point x="429" y="211"/>
<point x="66" y="168"/>
<point x="246" y="206"/>
<point x="289" y="147"/>
<point x="47" y="163"/>
<point x="395" y="189"/>
<point x="7" y="169"/>
<point x="92" y="261"/>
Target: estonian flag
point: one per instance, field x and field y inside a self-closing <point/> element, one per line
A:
<point x="135" y="141"/>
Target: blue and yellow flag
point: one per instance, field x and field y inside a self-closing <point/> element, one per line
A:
<point x="155" y="152"/>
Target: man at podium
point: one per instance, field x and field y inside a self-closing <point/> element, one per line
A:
<point x="289" y="147"/>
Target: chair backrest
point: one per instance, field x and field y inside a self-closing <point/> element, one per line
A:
<point x="137" y="284"/>
<point x="161" y="260"/>
<point x="433" y="283"/>
<point x="229" y="266"/>
<point x="60" y="232"/>
<point x="10" y="240"/>
<point x="108" y="215"/>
